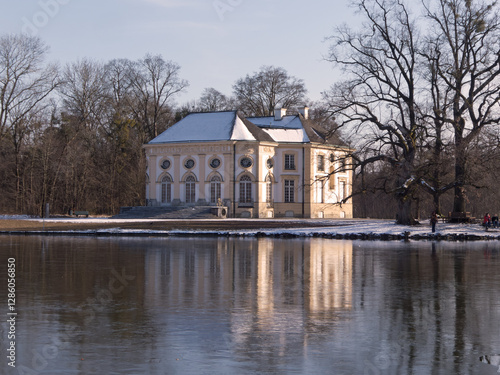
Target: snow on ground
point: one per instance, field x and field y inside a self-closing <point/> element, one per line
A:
<point x="14" y="217"/>
<point x="342" y="227"/>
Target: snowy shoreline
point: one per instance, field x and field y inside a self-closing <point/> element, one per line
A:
<point x="354" y="229"/>
<point x="117" y="232"/>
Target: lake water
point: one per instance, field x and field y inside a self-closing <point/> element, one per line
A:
<point x="250" y="306"/>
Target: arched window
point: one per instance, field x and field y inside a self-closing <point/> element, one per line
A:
<point x="245" y="189"/>
<point x="166" y="190"/>
<point x="215" y="191"/>
<point x="190" y="189"/>
<point x="269" y="190"/>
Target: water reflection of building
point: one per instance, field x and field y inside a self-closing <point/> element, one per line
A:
<point x="330" y="275"/>
<point x="262" y="273"/>
<point x="264" y="288"/>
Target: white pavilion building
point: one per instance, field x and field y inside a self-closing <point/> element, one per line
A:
<point x="259" y="167"/>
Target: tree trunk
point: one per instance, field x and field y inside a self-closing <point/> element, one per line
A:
<point x="404" y="215"/>
<point x="460" y="167"/>
<point x="437" y="205"/>
<point x="404" y="186"/>
<point x="459" y="200"/>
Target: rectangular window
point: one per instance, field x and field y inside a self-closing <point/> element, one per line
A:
<point x="289" y="162"/>
<point x="166" y="193"/>
<point x="245" y="191"/>
<point x="321" y="163"/>
<point x="289" y="191"/>
<point x="248" y="193"/>
<point x="342" y="190"/>
<point x="190" y="192"/>
<point x="331" y="178"/>
<point x="215" y="192"/>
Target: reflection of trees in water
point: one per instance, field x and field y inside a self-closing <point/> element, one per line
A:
<point x="72" y="269"/>
<point x="72" y="299"/>
<point x="439" y="298"/>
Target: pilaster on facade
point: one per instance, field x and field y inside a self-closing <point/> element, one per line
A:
<point x="177" y="177"/>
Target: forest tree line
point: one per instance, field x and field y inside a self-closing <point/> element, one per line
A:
<point x="418" y="102"/>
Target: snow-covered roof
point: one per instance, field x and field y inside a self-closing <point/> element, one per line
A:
<point x="229" y="126"/>
<point x="287" y="122"/>
<point x="207" y="127"/>
<point x="288" y="129"/>
<point x="288" y="135"/>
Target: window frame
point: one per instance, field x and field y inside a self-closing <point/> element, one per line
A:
<point x="166" y="189"/>
<point x="269" y="190"/>
<point x="215" y="189"/>
<point x="289" y="190"/>
<point x="245" y="186"/>
<point x="320" y="163"/>
<point x="190" y="189"/>
<point x="289" y="162"/>
<point x="342" y="189"/>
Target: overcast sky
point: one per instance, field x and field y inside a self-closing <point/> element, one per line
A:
<point x="214" y="41"/>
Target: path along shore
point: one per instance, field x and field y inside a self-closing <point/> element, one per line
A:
<point x="365" y="229"/>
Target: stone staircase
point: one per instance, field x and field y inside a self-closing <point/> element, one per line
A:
<point x="177" y="212"/>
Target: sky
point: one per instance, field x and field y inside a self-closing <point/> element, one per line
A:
<point x="215" y="42"/>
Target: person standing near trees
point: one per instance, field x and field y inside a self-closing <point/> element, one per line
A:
<point x="487" y="221"/>
<point x="494" y="221"/>
<point x="434" y="220"/>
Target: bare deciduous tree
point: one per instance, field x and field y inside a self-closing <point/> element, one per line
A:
<point x="269" y="88"/>
<point x="154" y="82"/>
<point x="85" y="94"/>
<point x="465" y="45"/>
<point x="212" y="100"/>
<point x="25" y="82"/>
<point x="25" y="86"/>
<point x="379" y="100"/>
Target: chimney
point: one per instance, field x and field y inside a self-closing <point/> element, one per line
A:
<point x="304" y="112"/>
<point x="279" y="113"/>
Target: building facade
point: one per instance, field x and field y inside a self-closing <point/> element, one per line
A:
<point x="259" y="167"/>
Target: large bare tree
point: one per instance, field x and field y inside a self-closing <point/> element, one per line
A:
<point x="85" y="93"/>
<point x="154" y="82"/>
<point x="464" y="51"/>
<point x="125" y="164"/>
<point x="436" y="157"/>
<point x="25" y="82"/>
<point x="377" y="103"/>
